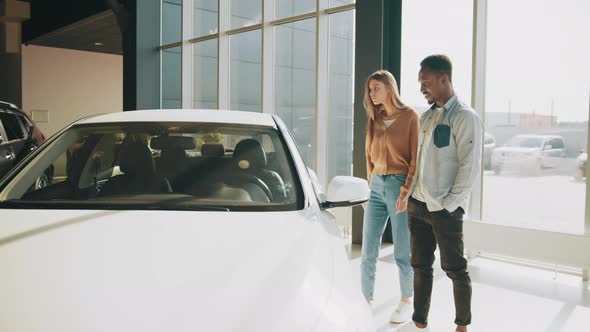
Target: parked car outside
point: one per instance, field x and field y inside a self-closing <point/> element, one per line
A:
<point x="529" y="153"/>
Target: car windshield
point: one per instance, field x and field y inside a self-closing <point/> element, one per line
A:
<point x="175" y="166"/>
<point x="525" y="142"/>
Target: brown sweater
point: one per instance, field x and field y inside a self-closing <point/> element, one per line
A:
<point x="393" y="149"/>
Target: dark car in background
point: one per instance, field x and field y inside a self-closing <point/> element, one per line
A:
<point x="19" y="136"/>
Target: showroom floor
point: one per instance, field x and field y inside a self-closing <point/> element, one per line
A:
<point x="506" y="297"/>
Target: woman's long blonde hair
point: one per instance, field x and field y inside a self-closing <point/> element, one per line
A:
<point x="375" y="112"/>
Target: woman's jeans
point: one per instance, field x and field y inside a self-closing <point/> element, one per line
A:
<point x="385" y="190"/>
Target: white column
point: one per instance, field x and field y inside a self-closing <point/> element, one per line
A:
<point x="478" y="90"/>
<point x="587" y="213"/>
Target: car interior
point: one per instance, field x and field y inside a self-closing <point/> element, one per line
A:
<point x="239" y="166"/>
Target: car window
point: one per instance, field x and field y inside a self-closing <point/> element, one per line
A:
<point x="557" y="143"/>
<point x="26" y="125"/>
<point x="526" y="142"/>
<point x="2" y="133"/>
<point x="163" y="165"/>
<point x="12" y="126"/>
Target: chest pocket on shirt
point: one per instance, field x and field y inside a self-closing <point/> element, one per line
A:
<point x="442" y="135"/>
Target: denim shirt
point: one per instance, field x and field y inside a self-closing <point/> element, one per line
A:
<point x="451" y="157"/>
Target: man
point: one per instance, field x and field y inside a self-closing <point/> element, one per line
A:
<point x="449" y="158"/>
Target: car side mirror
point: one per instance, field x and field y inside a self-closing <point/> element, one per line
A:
<point x="346" y="191"/>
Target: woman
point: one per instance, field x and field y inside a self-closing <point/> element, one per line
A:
<point x="391" y="148"/>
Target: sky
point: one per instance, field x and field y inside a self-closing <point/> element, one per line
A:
<point x="537" y="53"/>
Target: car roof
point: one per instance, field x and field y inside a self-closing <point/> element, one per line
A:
<point x="540" y="136"/>
<point x="184" y="115"/>
<point x="7" y="105"/>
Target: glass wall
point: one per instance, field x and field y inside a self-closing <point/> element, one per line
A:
<point x="287" y="8"/>
<point x="205" y="14"/>
<point x="233" y="44"/>
<point x="337" y="3"/>
<point x="245" y="71"/>
<point x="340" y="94"/>
<point x="536" y="115"/>
<point x="295" y="82"/>
<point x="171" y="77"/>
<point x="171" y="21"/>
<point x="245" y="13"/>
<point x="536" y="106"/>
<point x="423" y="34"/>
<point x="204" y="79"/>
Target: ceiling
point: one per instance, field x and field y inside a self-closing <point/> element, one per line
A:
<point x="97" y="33"/>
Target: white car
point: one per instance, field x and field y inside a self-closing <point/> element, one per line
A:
<point x="529" y="153"/>
<point x="175" y="220"/>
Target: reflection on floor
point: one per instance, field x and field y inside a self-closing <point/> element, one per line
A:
<point x="506" y="297"/>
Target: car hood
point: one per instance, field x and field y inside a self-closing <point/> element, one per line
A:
<point x="162" y="271"/>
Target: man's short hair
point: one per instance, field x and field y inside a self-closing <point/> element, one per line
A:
<point x="438" y="63"/>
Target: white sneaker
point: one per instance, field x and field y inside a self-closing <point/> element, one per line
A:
<point x="402" y="313"/>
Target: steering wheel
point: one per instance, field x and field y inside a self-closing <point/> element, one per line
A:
<point x="243" y="178"/>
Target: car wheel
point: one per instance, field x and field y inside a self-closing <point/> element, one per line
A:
<point x="498" y="170"/>
<point x="579" y="175"/>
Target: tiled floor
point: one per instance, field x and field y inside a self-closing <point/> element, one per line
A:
<point x="506" y="297"/>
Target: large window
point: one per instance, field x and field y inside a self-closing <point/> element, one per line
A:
<point x="536" y="115"/>
<point x="532" y="92"/>
<point x="340" y="94"/>
<point x="245" y="71"/>
<point x="286" y="8"/>
<point x="295" y="81"/>
<point x="293" y="58"/>
<point x="171" y="78"/>
<point x="205" y="13"/>
<point x="436" y="27"/>
<point x="171" y="57"/>
<point x="245" y="13"/>
<point x="171" y="21"/>
<point x="338" y="3"/>
<point x="205" y="74"/>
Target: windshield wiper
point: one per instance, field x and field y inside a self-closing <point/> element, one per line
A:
<point x="183" y="207"/>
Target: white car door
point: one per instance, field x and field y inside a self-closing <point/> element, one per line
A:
<point x="553" y="153"/>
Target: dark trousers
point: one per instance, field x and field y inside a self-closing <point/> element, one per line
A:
<point x="427" y="229"/>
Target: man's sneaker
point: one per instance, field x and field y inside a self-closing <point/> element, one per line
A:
<point x="402" y="313"/>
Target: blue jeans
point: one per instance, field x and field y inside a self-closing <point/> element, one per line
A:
<point x="385" y="190"/>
